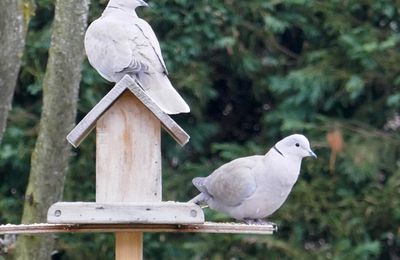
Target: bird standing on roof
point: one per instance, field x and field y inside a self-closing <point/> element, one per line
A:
<point x="120" y="43"/>
<point x="252" y="188"/>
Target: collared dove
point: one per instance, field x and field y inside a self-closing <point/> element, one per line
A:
<point x="120" y="43"/>
<point x="252" y="188"/>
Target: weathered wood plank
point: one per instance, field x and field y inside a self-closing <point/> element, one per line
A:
<point x="207" y="227"/>
<point x="128" y="154"/>
<point x="119" y="213"/>
<point x="168" y="123"/>
<point x="86" y="125"/>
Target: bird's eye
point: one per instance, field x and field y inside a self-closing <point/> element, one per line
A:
<point x="297" y="144"/>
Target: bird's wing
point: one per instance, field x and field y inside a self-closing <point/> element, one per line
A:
<point x="107" y="46"/>
<point x="117" y="46"/>
<point x="155" y="81"/>
<point x="233" y="182"/>
<point x="152" y="40"/>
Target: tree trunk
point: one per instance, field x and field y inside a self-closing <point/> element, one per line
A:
<point x="60" y="93"/>
<point x="14" y="18"/>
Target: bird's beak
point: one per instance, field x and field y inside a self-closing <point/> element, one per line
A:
<point x="143" y="3"/>
<point x="312" y="154"/>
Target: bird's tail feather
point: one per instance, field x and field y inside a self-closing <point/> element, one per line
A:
<point x="199" y="200"/>
<point x="198" y="182"/>
<point x="158" y="87"/>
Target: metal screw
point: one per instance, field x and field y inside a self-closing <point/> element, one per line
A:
<point x="57" y="213"/>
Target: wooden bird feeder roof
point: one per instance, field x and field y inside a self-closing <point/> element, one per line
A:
<point x="86" y="125"/>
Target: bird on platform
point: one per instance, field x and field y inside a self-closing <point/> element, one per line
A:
<point x="251" y="188"/>
<point x="120" y="43"/>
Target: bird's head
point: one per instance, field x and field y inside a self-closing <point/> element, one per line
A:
<point x="295" y="145"/>
<point x="128" y="4"/>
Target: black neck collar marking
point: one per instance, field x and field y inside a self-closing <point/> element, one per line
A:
<point x="276" y="149"/>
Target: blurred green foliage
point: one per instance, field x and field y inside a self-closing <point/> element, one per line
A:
<point x="252" y="72"/>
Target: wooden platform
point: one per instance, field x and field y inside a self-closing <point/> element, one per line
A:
<point x="207" y="227"/>
<point x="169" y="212"/>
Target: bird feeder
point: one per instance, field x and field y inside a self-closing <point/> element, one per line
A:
<point x="128" y="178"/>
<point x="128" y="168"/>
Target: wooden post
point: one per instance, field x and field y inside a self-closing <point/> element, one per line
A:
<point x="128" y="163"/>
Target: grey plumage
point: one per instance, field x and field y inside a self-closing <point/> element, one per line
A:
<point x="252" y="188"/>
<point x="120" y="43"/>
